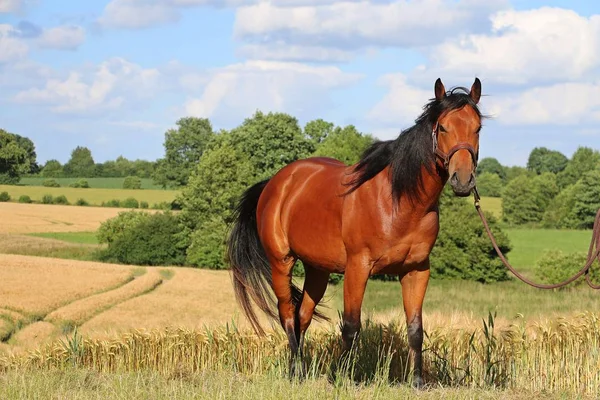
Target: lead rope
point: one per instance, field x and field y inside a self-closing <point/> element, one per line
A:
<point x="593" y="252"/>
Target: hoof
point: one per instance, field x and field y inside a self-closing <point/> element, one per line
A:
<point x="418" y="383"/>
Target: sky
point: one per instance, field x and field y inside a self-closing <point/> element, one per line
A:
<point x="114" y="75"/>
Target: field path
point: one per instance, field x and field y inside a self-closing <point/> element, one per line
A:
<point x="82" y="310"/>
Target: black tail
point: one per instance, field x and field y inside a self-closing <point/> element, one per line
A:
<point x="248" y="261"/>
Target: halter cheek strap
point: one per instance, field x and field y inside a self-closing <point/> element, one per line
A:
<point x="445" y="157"/>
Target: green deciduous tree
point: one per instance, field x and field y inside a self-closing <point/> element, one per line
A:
<point x="516" y="171"/>
<point x="492" y="166"/>
<point x="587" y="199"/>
<point x="489" y="184"/>
<point x="521" y="204"/>
<point x="15" y="160"/>
<point x="583" y="160"/>
<point x="559" y="213"/>
<point x="543" y="160"/>
<point x="317" y="130"/>
<point x="463" y="249"/>
<point x="208" y="200"/>
<point x="184" y="147"/>
<point x="345" y="144"/>
<point x="271" y="141"/>
<point x="81" y="164"/>
<point x="52" y="169"/>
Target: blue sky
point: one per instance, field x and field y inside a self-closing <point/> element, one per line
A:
<point x="114" y="75"/>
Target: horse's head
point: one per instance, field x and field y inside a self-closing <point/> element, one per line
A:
<point x="456" y="137"/>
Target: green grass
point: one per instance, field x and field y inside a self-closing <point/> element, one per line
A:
<point x="96" y="183"/>
<point x="93" y="196"/>
<point x="491" y="204"/>
<point x="71" y="237"/>
<point x="81" y="383"/>
<point x="530" y="244"/>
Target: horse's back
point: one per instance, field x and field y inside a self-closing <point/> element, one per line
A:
<point x="300" y="212"/>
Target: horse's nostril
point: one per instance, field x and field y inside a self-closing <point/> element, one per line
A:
<point x="454" y="178"/>
<point x="472" y="180"/>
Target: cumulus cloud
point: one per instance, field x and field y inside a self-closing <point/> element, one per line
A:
<point x="545" y="44"/>
<point x="238" y="90"/>
<point x="10" y="6"/>
<point x="361" y="24"/>
<point x="283" y="52"/>
<point x="66" y="37"/>
<point x="107" y="86"/>
<point x="12" y="48"/>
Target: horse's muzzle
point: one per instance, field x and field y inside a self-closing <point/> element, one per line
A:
<point x="462" y="188"/>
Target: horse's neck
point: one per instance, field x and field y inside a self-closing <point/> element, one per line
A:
<point x="429" y="195"/>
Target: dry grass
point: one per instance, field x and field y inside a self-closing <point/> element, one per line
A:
<point x="37" y="286"/>
<point x="80" y="311"/>
<point x="191" y="298"/>
<point x="34" y="335"/>
<point x="35" y="218"/>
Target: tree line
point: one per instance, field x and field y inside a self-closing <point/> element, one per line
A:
<point x="552" y="191"/>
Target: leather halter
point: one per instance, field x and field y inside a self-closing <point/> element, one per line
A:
<point x="445" y="157"/>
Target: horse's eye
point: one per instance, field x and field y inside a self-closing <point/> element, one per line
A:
<point x="442" y="129"/>
<point x="478" y="130"/>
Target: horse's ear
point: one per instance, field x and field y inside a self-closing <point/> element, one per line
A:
<point x="440" y="90"/>
<point x="476" y="91"/>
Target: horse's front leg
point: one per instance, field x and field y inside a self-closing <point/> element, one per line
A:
<point x="356" y="276"/>
<point x="414" y="286"/>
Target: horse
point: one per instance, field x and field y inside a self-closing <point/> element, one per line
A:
<point x="378" y="216"/>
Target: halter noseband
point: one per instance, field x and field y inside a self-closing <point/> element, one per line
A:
<point x="445" y="157"/>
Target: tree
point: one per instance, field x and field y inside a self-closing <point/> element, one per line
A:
<point x="583" y="160"/>
<point x="463" y="249"/>
<point x="587" y="199"/>
<point x="271" y="141"/>
<point x="543" y="160"/>
<point x="52" y="169"/>
<point x="559" y="213"/>
<point x="184" y="147"/>
<point x="489" y="184"/>
<point x="318" y="130"/>
<point x="27" y="145"/>
<point x="208" y="200"/>
<point x="545" y="188"/>
<point x="345" y="144"/>
<point x="521" y="203"/>
<point x="516" y="171"/>
<point x="81" y="164"/>
<point x="14" y="159"/>
<point x="492" y="166"/>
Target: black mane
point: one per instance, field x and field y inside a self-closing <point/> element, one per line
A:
<point x="411" y="150"/>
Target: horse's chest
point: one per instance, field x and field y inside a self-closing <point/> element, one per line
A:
<point x="406" y="251"/>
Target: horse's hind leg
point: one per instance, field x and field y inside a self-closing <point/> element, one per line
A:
<point x="315" y="285"/>
<point x="281" y="271"/>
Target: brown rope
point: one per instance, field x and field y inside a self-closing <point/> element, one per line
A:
<point x="593" y="252"/>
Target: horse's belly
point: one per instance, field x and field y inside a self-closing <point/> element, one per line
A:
<point x="402" y="258"/>
<point x="319" y="245"/>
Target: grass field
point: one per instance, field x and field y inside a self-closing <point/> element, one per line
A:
<point x="92" y="196"/>
<point x="491" y="204"/>
<point x="96" y="183"/>
<point x="70" y="237"/>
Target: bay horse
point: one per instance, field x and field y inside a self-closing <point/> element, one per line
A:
<point x="379" y="216"/>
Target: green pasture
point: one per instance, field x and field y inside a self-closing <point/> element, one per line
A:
<point x="92" y="195"/>
<point x="96" y="183"/>
<point x="71" y="237"/>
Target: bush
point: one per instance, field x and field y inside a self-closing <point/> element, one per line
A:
<point x="163" y="205"/>
<point x="24" y="199"/>
<point x="152" y="240"/>
<point x="4" y="197"/>
<point x="555" y="266"/>
<point x="50" y="183"/>
<point x="112" y="228"/>
<point x="112" y="203"/>
<point x="463" y="249"/>
<point x="132" y="182"/>
<point x="521" y="202"/>
<point x="130" y="202"/>
<point x="144" y="204"/>
<point x="82" y="202"/>
<point x="489" y="184"/>
<point x="61" y="200"/>
<point x="47" y="199"/>
<point x="81" y="183"/>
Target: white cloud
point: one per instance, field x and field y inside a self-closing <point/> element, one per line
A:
<point x="283" y="52"/>
<point x="238" y="90"/>
<point x="545" y="44"/>
<point x="361" y="24"/>
<point x="63" y="37"/>
<point x="107" y="86"/>
<point x="11" y="47"/>
<point x="402" y="104"/>
<point x="9" y="6"/>
<point x="558" y="104"/>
